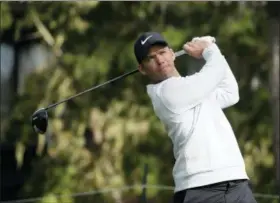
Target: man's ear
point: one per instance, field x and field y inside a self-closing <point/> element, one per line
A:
<point x="141" y="69"/>
<point x="173" y="54"/>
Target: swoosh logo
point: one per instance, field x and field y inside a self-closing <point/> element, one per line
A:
<point x="144" y="41"/>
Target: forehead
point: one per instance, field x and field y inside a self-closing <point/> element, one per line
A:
<point x="156" y="48"/>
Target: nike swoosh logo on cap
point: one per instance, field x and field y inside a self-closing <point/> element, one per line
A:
<point x="144" y="41"/>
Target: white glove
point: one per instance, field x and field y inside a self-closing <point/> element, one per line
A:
<point x="207" y="38"/>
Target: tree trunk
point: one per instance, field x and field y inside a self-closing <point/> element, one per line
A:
<point x="274" y="88"/>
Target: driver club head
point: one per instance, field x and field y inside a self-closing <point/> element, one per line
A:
<point x="39" y="121"/>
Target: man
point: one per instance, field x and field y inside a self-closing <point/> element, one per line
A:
<point x="209" y="167"/>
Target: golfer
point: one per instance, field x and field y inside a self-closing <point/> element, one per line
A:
<point x="209" y="166"/>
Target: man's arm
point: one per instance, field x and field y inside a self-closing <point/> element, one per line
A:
<point x="227" y="92"/>
<point x="182" y="93"/>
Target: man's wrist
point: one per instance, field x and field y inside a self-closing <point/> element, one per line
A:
<point x="207" y="52"/>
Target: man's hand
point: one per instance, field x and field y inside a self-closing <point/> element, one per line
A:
<point x="195" y="48"/>
<point x="197" y="45"/>
<point x="207" y="38"/>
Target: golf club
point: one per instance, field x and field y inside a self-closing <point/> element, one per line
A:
<point x="39" y="119"/>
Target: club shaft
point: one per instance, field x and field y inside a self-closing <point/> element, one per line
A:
<point x="93" y="88"/>
<point x="178" y="53"/>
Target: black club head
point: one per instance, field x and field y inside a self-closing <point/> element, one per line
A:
<point x="39" y="121"/>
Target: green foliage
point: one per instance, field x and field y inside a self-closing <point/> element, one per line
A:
<point x="104" y="138"/>
<point x="6" y="16"/>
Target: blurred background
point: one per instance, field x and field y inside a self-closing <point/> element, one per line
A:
<point x="108" y="146"/>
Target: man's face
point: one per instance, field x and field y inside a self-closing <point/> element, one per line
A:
<point x="159" y="64"/>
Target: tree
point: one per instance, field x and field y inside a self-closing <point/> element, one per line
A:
<point x="273" y="22"/>
<point x="104" y="138"/>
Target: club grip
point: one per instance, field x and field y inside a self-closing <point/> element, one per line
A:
<point x="180" y="53"/>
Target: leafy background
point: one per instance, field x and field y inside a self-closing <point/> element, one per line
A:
<point x="104" y="138"/>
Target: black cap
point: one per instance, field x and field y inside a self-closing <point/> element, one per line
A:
<point x="144" y="43"/>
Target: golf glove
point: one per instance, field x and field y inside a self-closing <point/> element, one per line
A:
<point x="207" y="38"/>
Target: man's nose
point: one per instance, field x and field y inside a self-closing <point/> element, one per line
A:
<point x="159" y="59"/>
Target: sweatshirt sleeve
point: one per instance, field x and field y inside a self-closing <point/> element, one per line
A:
<point x="227" y="92"/>
<point x="182" y="93"/>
